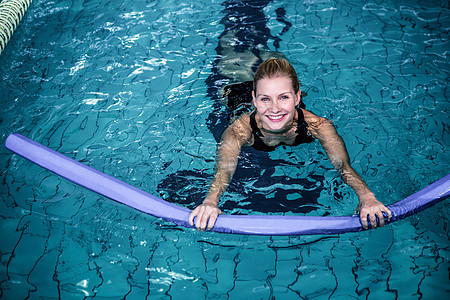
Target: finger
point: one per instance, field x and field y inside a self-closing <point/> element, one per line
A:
<point x="212" y="221"/>
<point x="389" y="213"/>
<point x="381" y="219"/>
<point x="364" y="221"/>
<point x="202" y="220"/>
<point x="198" y="217"/>
<point x="192" y="216"/>
<point x="373" y="221"/>
<point x="197" y="213"/>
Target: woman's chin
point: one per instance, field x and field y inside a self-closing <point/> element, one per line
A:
<point x="275" y="127"/>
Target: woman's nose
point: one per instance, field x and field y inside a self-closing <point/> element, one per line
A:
<point x="275" y="107"/>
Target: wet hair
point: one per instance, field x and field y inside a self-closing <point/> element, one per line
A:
<point x="274" y="67"/>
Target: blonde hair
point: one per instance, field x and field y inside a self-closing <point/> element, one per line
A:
<point x="274" y="67"/>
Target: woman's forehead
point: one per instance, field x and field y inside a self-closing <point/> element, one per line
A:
<point x="279" y="84"/>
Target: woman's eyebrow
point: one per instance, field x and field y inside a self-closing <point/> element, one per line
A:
<point x="283" y="93"/>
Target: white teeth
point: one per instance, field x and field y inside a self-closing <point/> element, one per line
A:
<point x="276" y="117"/>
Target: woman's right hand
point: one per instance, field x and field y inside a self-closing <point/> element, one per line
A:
<point x="206" y="214"/>
<point x="234" y="137"/>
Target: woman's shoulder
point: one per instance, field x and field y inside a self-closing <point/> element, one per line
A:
<point x="241" y="128"/>
<point x="242" y="121"/>
<point x="314" y="121"/>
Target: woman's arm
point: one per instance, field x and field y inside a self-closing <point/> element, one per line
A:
<point x="369" y="207"/>
<point x="234" y="137"/>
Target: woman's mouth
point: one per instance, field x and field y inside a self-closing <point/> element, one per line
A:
<point x="276" y="118"/>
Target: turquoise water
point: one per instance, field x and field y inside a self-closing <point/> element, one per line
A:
<point x="123" y="87"/>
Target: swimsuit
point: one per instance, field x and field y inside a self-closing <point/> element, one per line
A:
<point x="302" y="137"/>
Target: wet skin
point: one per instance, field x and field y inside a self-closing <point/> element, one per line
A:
<point x="275" y="101"/>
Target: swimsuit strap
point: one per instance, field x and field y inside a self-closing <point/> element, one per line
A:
<point x="258" y="143"/>
<point x="301" y="123"/>
<point x="255" y="129"/>
<point x="302" y="129"/>
<point x="302" y="133"/>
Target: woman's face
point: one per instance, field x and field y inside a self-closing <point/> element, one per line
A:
<point x="275" y="102"/>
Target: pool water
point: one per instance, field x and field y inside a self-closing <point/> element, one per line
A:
<point x="130" y="88"/>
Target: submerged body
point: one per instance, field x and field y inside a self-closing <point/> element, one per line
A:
<point x="280" y="121"/>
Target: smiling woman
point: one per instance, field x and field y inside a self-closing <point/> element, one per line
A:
<point x="277" y="120"/>
<point x="275" y="101"/>
<point x="276" y="115"/>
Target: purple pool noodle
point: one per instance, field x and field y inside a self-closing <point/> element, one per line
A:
<point x="249" y="224"/>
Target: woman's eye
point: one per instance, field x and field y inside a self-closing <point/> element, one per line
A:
<point x="284" y="97"/>
<point x="264" y="99"/>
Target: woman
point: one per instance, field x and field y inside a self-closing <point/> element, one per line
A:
<point x="243" y="45"/>
<point x="279" y="120"/>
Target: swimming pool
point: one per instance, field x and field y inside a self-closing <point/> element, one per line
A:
<point x="127" y="88"/>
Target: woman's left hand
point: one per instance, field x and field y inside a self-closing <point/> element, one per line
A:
<point x="370" y="208"/>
